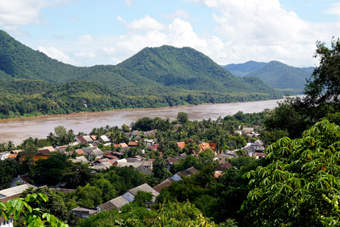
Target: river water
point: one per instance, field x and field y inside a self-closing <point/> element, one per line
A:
<point x="20" y="129"/>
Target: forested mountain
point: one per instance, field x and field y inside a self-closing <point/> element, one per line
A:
<point x="154" y="77"/>
<point x="282" y="76"/>
<point x="244" y="68"/>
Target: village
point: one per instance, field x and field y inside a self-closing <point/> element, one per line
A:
<point x="100" y="152"/>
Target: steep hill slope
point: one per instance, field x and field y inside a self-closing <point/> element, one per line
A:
<point x="282" y="76"/>
<point x="186" y="68"/>
<point x="244" y="68"/>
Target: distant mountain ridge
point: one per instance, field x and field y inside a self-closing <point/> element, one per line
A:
<point x="244" y="68"/>
<point x="275" y="74"/>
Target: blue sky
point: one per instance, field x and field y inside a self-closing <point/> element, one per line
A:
<point x="91" y="32"/>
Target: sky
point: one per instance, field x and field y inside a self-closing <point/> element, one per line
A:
<point x="101" y="32"/>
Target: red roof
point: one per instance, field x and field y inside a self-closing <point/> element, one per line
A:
<point x="110" y="156"/>
<point x="44" y="151"/>
<point x="181" y="145"/>
<point x="154" y="147"/>
<point x="160" y="187"/>
<point x="81" y="139"/>
<point x="133" y="143"/>
<point x="80" y="152"/>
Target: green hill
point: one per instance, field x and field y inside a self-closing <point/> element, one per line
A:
<point x="244" y="68"/>
<point x="188" y="69"/>
<point x="282" y="76"/>
<point x="154" y="77"/>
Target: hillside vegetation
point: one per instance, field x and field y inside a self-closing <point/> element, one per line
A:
<point x="282" y="76"/>
<point x="154" y="77"/>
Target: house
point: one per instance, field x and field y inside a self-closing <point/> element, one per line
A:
<point x="135" y="133"/>
<point x="14" y="192"/>
<point x="166" y="183"/>
<point x="123" y="145"/>
<point x="44" y="151"/>
<point x="35" y="157"/>
<point x="154" y="147"/>
<point x="188" y="172"/>
<point x="94" y="137"/>
<point x="115" y="203"/>
<point x="11" y="193"/>
<point x="181" y="145"/>
<point x="104" y="138"/>
<point x="133" y="144"/>
<point x="103" y="166"/>
<point x="222" y="157"/>
<point x="88" y="139"/>
<point x="97" y="153"/>
<point x="61" y="149"/>
<point x="51" y="149"/>
<point x="204" y="146"/>
<point x="224" y="166"/>
<point x="21" y="179"/>
<point x="16" y="151"/>
<point x="80" y="159"/>
<point x="169" y="162"/>
<point x="144" y="170"/>
<point x="148" y="142"/>
<point x="130" y="194"/>
<point x="123" y="164"/>
<point x="84" y="212"/>
<point x="80" y="152"/>
<point x="213" y="146"/>
<point x="151" y="133"/>
<point x="185" y="173"/>
<point x="12" y="156"/>
<point x="80" y="139"/>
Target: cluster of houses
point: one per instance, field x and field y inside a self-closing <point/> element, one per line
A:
<point x="101" y="160"/>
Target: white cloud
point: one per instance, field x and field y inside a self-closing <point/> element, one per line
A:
<point x="54" y="53"/>
<point x="24" y="12"/>
<point x="263" y="30"/>
<point x="180" y="13"/>
<point x="334" y="9"/>
<point x="85" y="55"/>
<point x="146" y="23"/>
<point x="121" y="19"/>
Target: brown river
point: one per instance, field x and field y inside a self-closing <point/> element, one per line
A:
<point x="20" y="129"/>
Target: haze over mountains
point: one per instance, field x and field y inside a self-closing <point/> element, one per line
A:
<point x="275" y="74"/>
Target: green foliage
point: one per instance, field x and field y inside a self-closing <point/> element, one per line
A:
<point x="169" y="214"/>
<point x="242" y="160"/>
<point x="182" y="117"/>
<point x="141" y="198"/>
<point x="55" y="204"/>
<point x="34" y="217"/>
<point x="292" y="190"/>
<point x="9" y="169"/>
<point x="159" y="170"/>
<point x="50" y="170"/>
